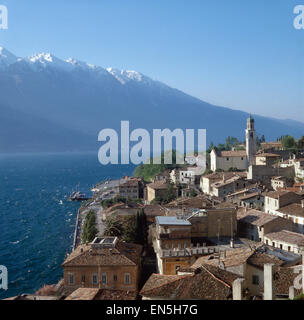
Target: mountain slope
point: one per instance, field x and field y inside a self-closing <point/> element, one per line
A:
<point x="79" y="97"/>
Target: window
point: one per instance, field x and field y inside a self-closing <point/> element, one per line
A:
<point x="83" y="279"/>
<point x="104" y="279"/>
<point x="281" y="246"/>
<point x="289" y="248"/>
<point x="227" y="159"/>
<point x="255" y="280"/>
<point x="115" y="278"/>
<point x="71" y="279"/>
<point x="273" y="244"/>
<point x="94" y="279"/>
<point x="127" y="278"/>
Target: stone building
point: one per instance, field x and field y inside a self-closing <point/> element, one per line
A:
<point x="240" y="160"/>
<point x="157" y="190"/>
<point x="106" y="263"/>
<point x="172" y="234"/>
<point x="225" y="160"/>
<point x="267" y="159"/>
<point x="254" y="224"/>
<point x="286" y="240"/>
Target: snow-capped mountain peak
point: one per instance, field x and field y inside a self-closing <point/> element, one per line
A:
<point x="6" y="57"/>
<point x="81" y="64"/>
<point x="123" y="76"/>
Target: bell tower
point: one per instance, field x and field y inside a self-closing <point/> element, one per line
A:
<point x="250" y="141"/>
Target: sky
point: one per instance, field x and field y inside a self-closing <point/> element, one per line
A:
<point x="241" y="54"/>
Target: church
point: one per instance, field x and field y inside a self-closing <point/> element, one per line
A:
<point x="241" y="159"/>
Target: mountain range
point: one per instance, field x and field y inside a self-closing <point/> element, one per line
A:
<point x="50" y="104"/>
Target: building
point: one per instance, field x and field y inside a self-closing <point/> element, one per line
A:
<point x="267" y="159"/>
<point x="204" y="283"/>
<point x="213" y="223"/>
<point x="225" y="160"/>
<point x="106" y="263"/>
<point x="254" y="224"/>
<point x="172" y="234"/>
<point x="271" y="146"/>
<point x="250" y="142"/>
<point x="158" y="190"/>
<point x="190" y="176"/>
<point x="132" y="188"/>
<point x="277" y="199"/>
<point x="279" y="183"/>
<point x="254" y="200"/>
<point x="286" y="240"/>
<point x="221" y="184"/>
<point x="294" y="212"/>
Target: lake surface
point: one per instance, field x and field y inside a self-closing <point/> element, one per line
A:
<point x="36" y="228"/>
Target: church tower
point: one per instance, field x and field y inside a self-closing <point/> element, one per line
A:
<point x="250" y="141"/>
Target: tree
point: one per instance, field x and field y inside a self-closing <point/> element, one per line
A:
<point x="288" y="142"/>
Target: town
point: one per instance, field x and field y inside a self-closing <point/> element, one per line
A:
<point x="170" y="233"/>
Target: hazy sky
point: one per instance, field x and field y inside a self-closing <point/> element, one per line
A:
<point x="242" y="54"/>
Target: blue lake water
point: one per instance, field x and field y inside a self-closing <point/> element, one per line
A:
<point x="36" y="230"/>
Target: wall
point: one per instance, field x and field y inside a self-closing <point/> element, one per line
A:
<point x="88" y="272"/>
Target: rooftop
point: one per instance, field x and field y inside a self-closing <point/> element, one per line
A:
<point x="234" y="257"/>
<point x="108" y="253"/>
<point x="171" y="221"/>
<point x="287" y="236"/>
<point x="101" y="294"/>
<point x="256" y="217"/>
<point x="294" y="209"/>
<point x="206" y="283"/>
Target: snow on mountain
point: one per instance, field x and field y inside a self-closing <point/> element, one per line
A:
<point x="7" y="58"/>
<point x="47" y="60"/>
<point x="123" y="76"/>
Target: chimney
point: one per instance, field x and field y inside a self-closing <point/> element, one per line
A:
<point x="237" y="289"/>
<point x="268" y="282"/>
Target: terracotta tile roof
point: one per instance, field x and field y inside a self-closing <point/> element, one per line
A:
<point x="271" y="144"/>
<point x="287" y="236"/>
<point x="284" y="278"/>
<point x="157" y="185"/>
<point x="101" y="294"/>
<point x="259" y="259"/>
<point x="294" y="209"/>
<point x="234" y="257"/>
<point x="206" y="283"/>
<point x="250" y="195"/>
<point x="256" y="217"/>
<point x="268" y="155"/>
<point x="277" y="194"/>
<point x="154" y="210"/>
<point x="227" y="175"/>
<point x="83" y="294"/>
<point x="199" y="202"/>
<point x="123" y="254"/>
